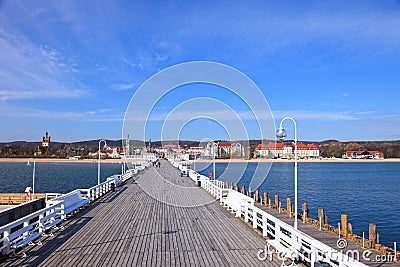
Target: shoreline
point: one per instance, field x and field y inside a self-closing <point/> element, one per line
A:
<point x="53" y="160"/>
<point x="336" y="160"/>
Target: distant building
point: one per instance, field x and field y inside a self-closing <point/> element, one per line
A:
<point x="114" y="151"/>
<point x="363" y="154"/>
<point x="282" y="150"/>
<point x="218" y="150"/>
<point x="46" y="141"/>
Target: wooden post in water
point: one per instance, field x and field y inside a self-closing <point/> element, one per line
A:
<point x="257" y="196"/>
<point x="269" y="202"/>
<point x="279" y="206"/>
<point x="226" y="184"/>
<point x="236" y="187"/>
<point x="293" y="210"/>
<point x="289" y="207"/>
<point x="305" y="212"/>
<point x="243" y="190"/>
<point x="321" y="215"/>
<point x="231" y="186"/>
<point x="372" y="234"/>
<point x="250" y="192"/>
<point x="266" y="198"/>
<point x="277" y="202"/>
<point x="345" y="222"/>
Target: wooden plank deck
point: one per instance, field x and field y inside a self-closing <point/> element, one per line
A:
<point x="130" y="228"/>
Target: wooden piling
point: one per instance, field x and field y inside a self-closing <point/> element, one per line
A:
<point x="326" y="219"/>
<point x="236" y="187"/>
<point x="289" y="207"/>
<point x="250" y="192"/>
<point x="277" y="202"/>
<point x="372" y="234"/>
<point x="243" y="190"/>
<point x="257" y="196"/>
<point x="345" y="222"/>
<point x="321" y="215"/>
<point x="279" y="206"/>
<point x="269" y="202"/>
<point x="305" y="211"/>
<point x="226" y="184"/>
<point x="266" y="198"/>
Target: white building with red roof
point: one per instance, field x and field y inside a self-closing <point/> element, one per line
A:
<point x="282" y="150"/>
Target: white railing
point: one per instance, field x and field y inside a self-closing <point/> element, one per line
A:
<point x="50" y="196"/>
<point x="29" y="227"/>
<point x="283" y="235"/>
<point x="25" y="230"/>
<point x="308" y="248"/>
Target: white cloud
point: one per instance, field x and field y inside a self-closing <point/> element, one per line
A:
<point x="124" y="86"/>
<point x="31" y="71"/>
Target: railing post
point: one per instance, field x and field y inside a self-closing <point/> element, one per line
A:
<point x="40" y="224"/>
<point x="313" y="255"/>
<point x="62" y="210"/>
<point x="25" y="224"/>
<point x="254" y="218"/>
<point x="246" y="213"/>
<point x="6" y="242"/>
<point x="264" y="226"/>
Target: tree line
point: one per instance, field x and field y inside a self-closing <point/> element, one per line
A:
<point x="329" y="148"/>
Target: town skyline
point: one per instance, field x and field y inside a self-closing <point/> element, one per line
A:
<point x="72" y="67"/>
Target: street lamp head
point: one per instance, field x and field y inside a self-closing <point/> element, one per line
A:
<point x="281" y="134"/>
<point x="29" y="162"/>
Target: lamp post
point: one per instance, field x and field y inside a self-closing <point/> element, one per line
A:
<point x="281" y="134"/>
<point x="98" y="163"/>
<point x="33" y="176"/>
<point x="214" y="150"/>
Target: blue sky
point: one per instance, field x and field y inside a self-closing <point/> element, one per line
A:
<point x="71" y="67"/>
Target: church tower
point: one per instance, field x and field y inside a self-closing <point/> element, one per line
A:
<point x="46" y="141"/>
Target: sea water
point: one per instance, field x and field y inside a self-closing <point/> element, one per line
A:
<point x="52" y="177"/>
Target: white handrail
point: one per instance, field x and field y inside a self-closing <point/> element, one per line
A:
<point x="310" y="248"/>
<point x="34" y="222"/>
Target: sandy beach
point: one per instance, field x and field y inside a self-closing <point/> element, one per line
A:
<point x="53" y="160"/>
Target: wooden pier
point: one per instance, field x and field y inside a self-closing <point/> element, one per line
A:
<point x="130" y="228"/>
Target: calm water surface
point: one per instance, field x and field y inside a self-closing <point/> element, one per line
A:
<point x="367" y="192"/>
<point x="52" y="177"/>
